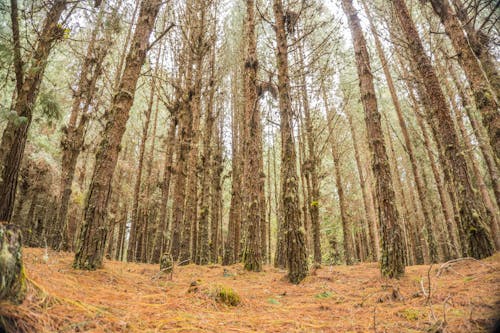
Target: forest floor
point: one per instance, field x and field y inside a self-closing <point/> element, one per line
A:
<point x="129" y="297"/>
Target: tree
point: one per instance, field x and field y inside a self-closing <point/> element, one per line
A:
<point x="253" y="209"/>
<point x="293" y="227"/>
<point x="393" y="254"/>
<point x="28" y="80"/>
<point x="475" y="236"/>
<point x="484" y="96"/>
<point x="91" y="244"/>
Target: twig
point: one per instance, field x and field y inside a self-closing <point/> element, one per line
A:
<point x="448" y="263"/>
<point x="429" y="284"/>
<point x="375" y="319"/>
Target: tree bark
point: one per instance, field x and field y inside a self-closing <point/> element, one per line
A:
<point x="393" y="252"/>
<point x="293" y="226"/>
<point x="484" y="96"/>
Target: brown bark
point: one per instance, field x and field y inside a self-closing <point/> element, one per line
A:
<point x="216" y="198"/>
<point x="191" y="205"/>
<point x="293" y="226"/>
<point x="478" y="41"/>
<point x="252" y="148"/>
<point x="185" y="118"/>
<point x="90" y="248"/>
<point x="480" y="134"/>
<point x="346" y="221"/>
<point x="468" y="149"/>
<point x="393" y="253"/>
<point x="232" y="247"/>
<point x="134" y="251"/>
<point x="449" y="209"/>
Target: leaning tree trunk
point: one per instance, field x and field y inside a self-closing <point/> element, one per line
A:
<point x="476" y="237"/>
<point x="93" y="231"/>
<point x="393" y="253"/>
<point x="293" y="226"/>
<point x="484" y="96"/>
<point x="27" y="86"/>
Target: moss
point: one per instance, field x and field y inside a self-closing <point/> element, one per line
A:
<point x="226" y="295"/>
<point x="13" y="276"/>
<point x="410" y="314"/>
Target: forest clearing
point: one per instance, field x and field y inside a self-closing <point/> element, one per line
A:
<point x="300" y="165"/>
<point x="130" y="297"/>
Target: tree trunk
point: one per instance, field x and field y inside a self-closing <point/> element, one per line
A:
<point x="252" y="146"/>
<point x="90" y="248"/>
<point x="312" y="162"/>
<point x="207" y="161"/>
<point x="74" y="134"/>
<point x="366" y="192"/>
<point x="16" y="133"/>
<point x="159" y="244"/>
<point x="393" y="253"/>
<point x="216" y="204"/>
<point x="293" y="226"/>
<point x="476" y="238"/>
<point x="484" y="96"/>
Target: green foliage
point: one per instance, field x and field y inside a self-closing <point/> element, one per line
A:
<point x="410" y="314"/>
<point x="226" y="295"/>
<point x="48" y="106"/>
<point x="273" y="301"/>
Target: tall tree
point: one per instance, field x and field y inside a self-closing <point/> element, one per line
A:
<point x="476" y="238"/>
<point x="416" y="171"/>
<point x="93" y="230"/>
<point x="28" y="80"/>
<point x="253" y="209"/>
<point x="393" y="254"/>
<point x="293" y="226"/>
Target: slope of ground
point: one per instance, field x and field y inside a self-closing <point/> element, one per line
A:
<point x="127" y="297"/>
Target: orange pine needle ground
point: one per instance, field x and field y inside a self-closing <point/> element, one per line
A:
<point x="124" y="297"/>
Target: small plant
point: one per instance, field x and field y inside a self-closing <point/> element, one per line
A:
<point x="273" y="301"/>
<point x="324" y="295"/>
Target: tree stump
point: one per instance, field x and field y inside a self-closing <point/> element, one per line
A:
<point x="12" y="275"/>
